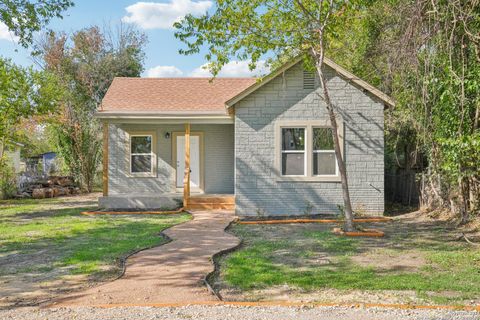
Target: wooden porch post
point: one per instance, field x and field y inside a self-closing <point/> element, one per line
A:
<point x="186" y="180"/>
<point x="105" y="159"/>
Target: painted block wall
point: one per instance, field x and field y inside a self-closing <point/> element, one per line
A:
<point x="261" y="191"/>
<point x="218" y="162"/>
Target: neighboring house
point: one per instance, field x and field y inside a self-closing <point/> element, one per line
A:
<point x="49" y="162"/>
<point x="264" y="145"/>
<point x="43" y="164"/>
<point x="13" y="153"/>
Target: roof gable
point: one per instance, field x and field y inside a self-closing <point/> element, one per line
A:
<point x="340" y="70"/>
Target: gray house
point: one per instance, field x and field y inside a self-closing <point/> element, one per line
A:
<point x="263" y="147"/>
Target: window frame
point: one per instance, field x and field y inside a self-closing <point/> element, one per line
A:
<point x="304" y="151"/>
<point x="152" y="154"/>
<point x="309" y="152"/>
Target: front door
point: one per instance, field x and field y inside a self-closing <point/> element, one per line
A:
<point x="194" y="161"/>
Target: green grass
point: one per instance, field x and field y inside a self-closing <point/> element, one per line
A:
<point x="265" y="262"/>
<point x="63" y="238"/>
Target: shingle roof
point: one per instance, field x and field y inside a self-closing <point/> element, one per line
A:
<point x="172" y="94"/>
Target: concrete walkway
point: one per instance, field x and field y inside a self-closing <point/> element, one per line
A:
<point x="170" y="273"/>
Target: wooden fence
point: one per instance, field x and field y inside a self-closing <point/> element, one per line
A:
<point x="402" y="187"/>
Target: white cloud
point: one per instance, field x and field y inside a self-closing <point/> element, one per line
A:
<point x="233" y="69"/>
<point x="164" y="72"/>
<point x="230" y="70"/>
<point x="6" y="34"/>
<point x="153" y="15"/>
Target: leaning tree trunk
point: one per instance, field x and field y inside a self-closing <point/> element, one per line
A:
<point x="336" y="142"/>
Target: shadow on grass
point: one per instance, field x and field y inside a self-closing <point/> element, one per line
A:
<point x="309" y="257"/>
<point x="65" y="238"/>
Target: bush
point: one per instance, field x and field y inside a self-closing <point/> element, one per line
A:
<point x="8" y="179"/>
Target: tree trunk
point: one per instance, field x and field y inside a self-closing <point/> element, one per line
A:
<point x="336" y="142"/>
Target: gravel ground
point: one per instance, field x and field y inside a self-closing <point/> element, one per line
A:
<point x="233" y="312"/>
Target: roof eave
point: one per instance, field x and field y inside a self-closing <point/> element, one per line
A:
<point x="163" y="116"/>
<point x="261" y="82"/>
<point x="388" y="101"/>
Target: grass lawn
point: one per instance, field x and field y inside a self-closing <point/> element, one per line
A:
<point x="414" y="257"/>
<point x="40" y="237"/>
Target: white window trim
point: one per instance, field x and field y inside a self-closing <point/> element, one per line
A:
<point x="153" y="164"/>
<point x="308" y="125"/>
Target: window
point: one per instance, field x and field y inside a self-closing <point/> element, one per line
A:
<point x="293" y="151"/>
<point x="324" y="160"/>
<point x="141" y="154"/>
<point x="305" y="150"/>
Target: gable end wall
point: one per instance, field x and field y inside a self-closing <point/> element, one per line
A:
<point x="259" y="190"/>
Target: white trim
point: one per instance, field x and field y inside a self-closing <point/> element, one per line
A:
<point x="157" y="118"/>
<point x="308" y="125"/>
<point x="152" y="154"/>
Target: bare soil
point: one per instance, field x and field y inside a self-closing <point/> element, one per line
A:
<point x="31" y="285"/>
<point x="398" y="251"/>
<point x="389" y="260"/>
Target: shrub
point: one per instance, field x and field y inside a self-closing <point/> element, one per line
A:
<point x="8" y="179"/>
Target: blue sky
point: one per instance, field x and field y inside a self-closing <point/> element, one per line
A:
<point x="154" y="18"/>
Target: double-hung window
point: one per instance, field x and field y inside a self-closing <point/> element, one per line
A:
<point x="305" y="150"/>
<point x="293" y="152"/>
<point x="141" y="155"/>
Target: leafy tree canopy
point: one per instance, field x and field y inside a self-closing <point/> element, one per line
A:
<point x="86" y="63"/>
<point x="249" y="30"/>
<point x="24" y="93"/>
<point x="24" y="17"/>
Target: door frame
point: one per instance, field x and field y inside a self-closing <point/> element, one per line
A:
<point x="200" y="135"/>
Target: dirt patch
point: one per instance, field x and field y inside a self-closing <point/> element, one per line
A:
<point x="29" y="278"/>
<point x="471" y="229"/>
<point x="37" y="287"/>
<point x="407" y="248"/>
<point x="387" y="260"/>
<point x="286" y="293"/>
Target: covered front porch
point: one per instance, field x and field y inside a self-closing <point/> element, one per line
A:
<point x="192" y="164"/>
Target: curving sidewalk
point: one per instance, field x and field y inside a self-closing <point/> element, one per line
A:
<point x="170" y="273"/>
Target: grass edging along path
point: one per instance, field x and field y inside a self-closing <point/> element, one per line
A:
<point x="415" y="263"/>
<point x="52" y="240"/>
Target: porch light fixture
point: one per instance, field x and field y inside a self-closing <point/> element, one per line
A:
<point x="167" y="135"/>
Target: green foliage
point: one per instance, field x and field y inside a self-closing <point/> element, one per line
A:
<point x="86" y="63"/>
<point x="32" y="134"/>
<point x="249" y="30"/>
<point x="25" y="17"/>
<point x="24" y="93"/>
<point x="425" y="54"/>
<point x="79" y="145"/>
<point x="8" y="181"/>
